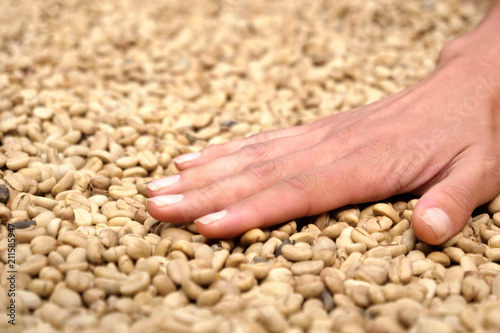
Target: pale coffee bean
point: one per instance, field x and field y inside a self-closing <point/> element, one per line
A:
<point x="297" y="252"/>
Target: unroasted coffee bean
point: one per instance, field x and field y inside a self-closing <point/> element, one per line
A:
<point x="493" y="254"/>
<point x="313" y="267"/>
<point x="494" y="241"/>
<point x="178" y="271"/>
<point x="252" y="236"/>
<point x="148" y="160"/>
<point x="259" y="269"/>
<point x="333" y="280"/>
<point x="273" y="243"/>
<point x="305" y="237"/>
<point x="208" y="298"/>
<point x="136" y="282"/>
<point x="100" y="183"/>
<point x="63" y="184"/>
<point x="243" y="280"/>
<point x="41" y="287"/>
<point x="136" y="247"/>
<point x="276" y="289"/>
<point x="191" y="289"/>
<point x="297" y="252"/>
<point x="203" y="276"/>
<point x="175" y="234"/>
<point x="43" y="245"/>
<point x="4" y="193"/>
<point x="66" y="298"/>
<point x="33" y="264"/>
<point x="183" y="246"/>
<point x="29" y="299"/>
<point x="79" y="281"/>
<point x="475" y="289"/>
<point x="75" y="200"/>
<point x="289" y="303"/>
<point x="371" y="273"/>
<point x="386" y="210"/>
<point x="309" y="286"/>
<point x="470" y="246"/>
<point x="17" y="160"/>
<point x="108" y="238"/>
<point x="23" y="224"/>
<point x="360" y="235"/>
<point x="454" y="253"/>
<point x="379" y="224"/>
<point x="235" y="259"/>
<point x="348" y="215"/>
<point x="273" y="320"/>
<point x="86" y="120"/>
<point x="468" y="264"/>
<point x="419" y="267"/>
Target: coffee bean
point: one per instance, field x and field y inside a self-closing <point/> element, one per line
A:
<point x="4" y="193"/>
<point x="297" y="252"/>
<point x="83" y="129"/>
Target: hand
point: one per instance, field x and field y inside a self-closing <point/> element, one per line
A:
<point x="438" y="139"/>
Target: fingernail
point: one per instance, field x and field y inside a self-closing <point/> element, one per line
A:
<point x="187" y="157"/>
<point x="163" y="182"/>
<point x="166" y="200"/>
<point x="211" y="218"/>
<point x="437" y="220"/>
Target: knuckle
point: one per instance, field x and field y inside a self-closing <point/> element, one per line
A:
<point x="262" y="136"/>
<point x="394" y="182"/>
<point x="346" y="135"/>
<point x="232" y="166"/>
<point x="377" y="147"/>
<point x="256" y="151"/>
<point x="396" y="177"/>
<point x="450" y="49"/>
<point x="264" y="170"/>
<point x="299" y="184"/>
<point x="386" y="168"/>
<point x="223" y="148"/>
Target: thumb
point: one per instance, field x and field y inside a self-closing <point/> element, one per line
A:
<point x="445" y="208"/>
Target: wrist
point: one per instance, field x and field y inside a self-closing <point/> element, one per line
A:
<point x="473" y="59"/>
<point x="480" y="47"/>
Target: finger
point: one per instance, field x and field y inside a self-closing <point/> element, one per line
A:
<point x="315" y="191"/>
<point x="190" y="160"/>
<point x="226" y="166"/>
<point x="445" y="208"/>
<point x="254" y="178"/>
<point x="339" y="120"/>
